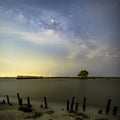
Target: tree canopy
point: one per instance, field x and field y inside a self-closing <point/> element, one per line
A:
<point x="83" y="74"/>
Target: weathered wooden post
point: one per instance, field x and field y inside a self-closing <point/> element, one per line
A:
<point x="28" y="101"/>
<point x="20" y="101"/>
<point x="76" y="107"/>
<point x="115" y="109"/>
<point x="100" y="111"/>
<point x="84" y="104"/>
<point x="8" y="101"/>
<point x="72" y="104"/>
<point x="18" y="96"/>
<point x="108" y="106"/>
<point x="45" y="102"/>
<point x="68" y="105"/>
<point x="3" y="101"/>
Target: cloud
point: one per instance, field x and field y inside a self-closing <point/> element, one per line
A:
<point x="74" y="48"/>
<point x="34" y="19"/>
<point x="47" y="27"/>
<point x="96" y="48"/>
<point x="45" y="40"/>
<point x="49" y="37"/>
<point x="13" y="16"/>
<point x="20" y="17"/>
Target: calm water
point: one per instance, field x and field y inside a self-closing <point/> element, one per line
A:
<point x="58" y="90"/>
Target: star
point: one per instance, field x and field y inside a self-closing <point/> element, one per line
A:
<point x="52" y="20"/>
<point x="106" y="55"/>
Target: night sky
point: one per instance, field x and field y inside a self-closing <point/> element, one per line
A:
<point x="59" y="37"/>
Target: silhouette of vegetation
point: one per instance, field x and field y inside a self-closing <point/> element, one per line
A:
<point x="29" y="77"/>
<point x="83" y="74"/>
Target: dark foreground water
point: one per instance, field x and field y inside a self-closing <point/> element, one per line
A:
<point x="97" y="91"/>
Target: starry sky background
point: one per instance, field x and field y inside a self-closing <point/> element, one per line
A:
<point x="59" y="37"/>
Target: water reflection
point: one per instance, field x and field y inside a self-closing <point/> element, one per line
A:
<point x="96" y="91"/>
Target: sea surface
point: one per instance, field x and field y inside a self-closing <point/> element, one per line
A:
<point x="97" y="91"/>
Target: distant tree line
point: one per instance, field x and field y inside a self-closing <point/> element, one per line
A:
<point x="29" y="77"/>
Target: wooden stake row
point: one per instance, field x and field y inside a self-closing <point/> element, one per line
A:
<point x="71" y="107"/>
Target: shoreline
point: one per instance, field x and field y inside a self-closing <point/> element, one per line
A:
<point x="41" y="77"/>
<point x="54" y="111"/>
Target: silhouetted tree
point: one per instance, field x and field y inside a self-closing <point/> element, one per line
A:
<point x="83" y="74"/>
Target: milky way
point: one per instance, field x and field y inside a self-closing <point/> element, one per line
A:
<point x="51" y="37"/>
